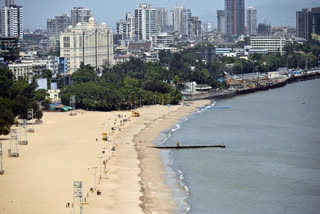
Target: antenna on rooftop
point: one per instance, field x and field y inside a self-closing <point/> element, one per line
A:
<point x="77" y="196"/>
<point x="1" y="160"/>
<point x="13" y="151"/>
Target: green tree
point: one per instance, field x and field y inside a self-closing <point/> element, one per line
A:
<point x="15" y="98"/>
<point x="85" y="73"/>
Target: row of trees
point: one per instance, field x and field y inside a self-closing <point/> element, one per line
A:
<point x="138" y="83"/>
<point x="15" y="98"/>
<point x="125" y="86"/>
<point x="296" y="56"/>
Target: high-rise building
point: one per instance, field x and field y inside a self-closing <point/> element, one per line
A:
<point x="9" y="3"/>
<point x="234" y="10"/>
<point x="252" y="20"/>
<point x="12" y="20"/>
<point x="55" y="27"/>
<point x="130" y="18"/>
<point x="80" y="14"/>
<point x="145" y="26"/>
<point x="87" y="43"/>
<point x="51" y="27"/>
<point x="63" y="22"/>
<point x="180" y="19"/>
<point x="185" y="17"/>
<point x="304" y="23"/>
<point x="194" y="27"/>
<point x="221" y="16"/>
<point x="161" y="19"/>
<point x="122" y="30"/>
<point x="264" y="29"/>
<point x="316" y="20"/>
<point x="125" y="30"/>
<point x="176" y="18"/>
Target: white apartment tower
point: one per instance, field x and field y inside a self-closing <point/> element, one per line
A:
<point x="123" y="29"/>
<point x="252" y="20"/>
<point x="221" y="15"/>
<point x="9" y="2"/>
<point x="80" y="14"/>
<point x="185" y="17"/>
<point x="130" y="18"/>
<point x="12" y="20"/>
<point x="55" y="27"/>
<point x="176" y="18"/>
<point x="145" y="22"/>
<point x="180" y="20"/>
<point x="87" y="43"/>
<point x="161" y="19"/>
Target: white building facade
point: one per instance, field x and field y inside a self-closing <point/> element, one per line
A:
<point x="145" y="22"/>
<point x="22" y="70"/>
<point x="12" y="21"/>
<point x="176" y="18"/>
<point x="274" y="45"/>
<point x="163" y="39"/>
<point x="162" y="20"/>
<point x="80" y="14"/>
<point x="87" y="43"/>
<point x="130" y="18"/>
<point x="252" y="20"/>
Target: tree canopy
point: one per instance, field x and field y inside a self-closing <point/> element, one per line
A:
<point x="124" y="86"/>
<point x="15" y="98"/>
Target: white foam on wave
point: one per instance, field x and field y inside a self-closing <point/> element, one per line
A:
<point x="169" y="162"/>
<point x="186" y="188"/>
<point x="176" y="128"/>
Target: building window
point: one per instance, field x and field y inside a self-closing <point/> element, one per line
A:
<point x="66" y="42"/>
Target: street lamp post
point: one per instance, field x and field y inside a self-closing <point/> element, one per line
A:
<point x="100" y="157"/>
<point x="94" y="173"/>
<point x="110" y="151"/>
<point x="105" y="158"/>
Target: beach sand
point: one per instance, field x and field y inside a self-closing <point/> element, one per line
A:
<point x="66" y="148"/>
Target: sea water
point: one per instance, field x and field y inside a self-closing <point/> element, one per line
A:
<point x="271" y="163"/>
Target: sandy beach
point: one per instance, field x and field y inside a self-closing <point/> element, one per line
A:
<point x="66" y="148"/>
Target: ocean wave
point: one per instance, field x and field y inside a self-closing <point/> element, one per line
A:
<point x="177" y="175"/>
<point x="186" y="188"/>
<point x="176" y="128"/>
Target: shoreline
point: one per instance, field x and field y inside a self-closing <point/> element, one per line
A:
<point x="66" y="148"/>
<point x="157" y="197"/>
<point x="283" y="82"/>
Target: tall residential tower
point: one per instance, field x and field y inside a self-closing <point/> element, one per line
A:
<point x="12" y="20"/>
<point x="252" y="20"/>
<point x="235" y="17"/>
<point x="145" y="26"/>
<point x="80" y="14"/>
<point x="221" y="16"/>
<point x="304" y="23"/>
<point x="161" y="19"/>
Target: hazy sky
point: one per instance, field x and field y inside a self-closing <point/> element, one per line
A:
<point x="278" y="12"/>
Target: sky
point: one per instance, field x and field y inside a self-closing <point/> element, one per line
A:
<point x="276" y="12"/>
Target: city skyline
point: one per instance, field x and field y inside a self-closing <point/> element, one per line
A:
<point x="205" y="9"/>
